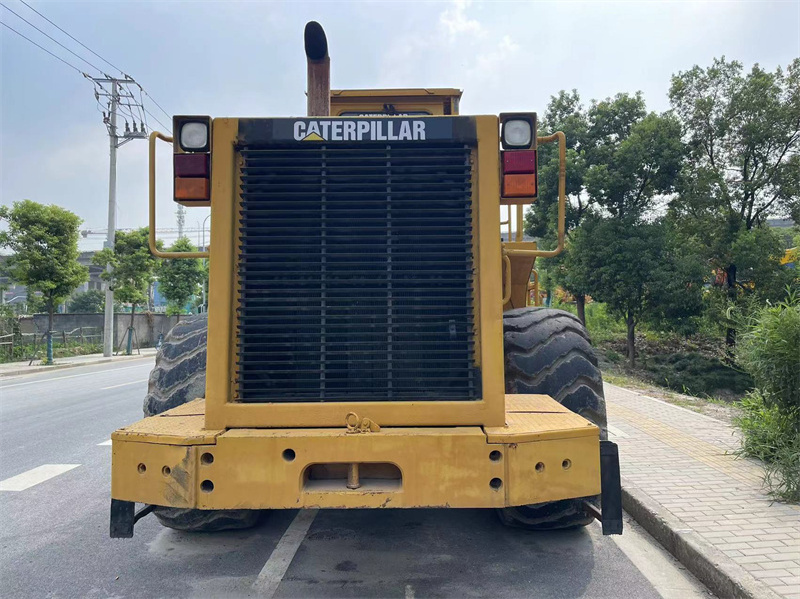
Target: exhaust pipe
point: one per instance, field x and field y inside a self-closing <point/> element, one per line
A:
<point x="319" y="70"/>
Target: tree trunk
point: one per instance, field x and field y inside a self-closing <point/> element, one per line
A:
<point x="631" y="340"/>
<point x="50" y="309"/>
<point x="730" y="334"/>
<point x="580" y="303"/>
<point x="130" y="331"/>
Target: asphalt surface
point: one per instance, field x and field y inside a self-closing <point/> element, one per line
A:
<point x="54" y="534"/>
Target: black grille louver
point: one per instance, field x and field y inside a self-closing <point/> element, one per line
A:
<point x="356" y="273"/>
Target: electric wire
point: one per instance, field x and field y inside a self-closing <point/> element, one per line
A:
<point x="73" y="38"/>
<point x="169" y="116"/>
<point x="72" y="66"/>
<point x="142" y="116"/>
<point x="52" y="39"/>
<point x="157" y="121"/>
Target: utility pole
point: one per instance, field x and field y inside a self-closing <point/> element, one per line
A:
<point x="118" y="95"/>
<point x="108" y="320"/>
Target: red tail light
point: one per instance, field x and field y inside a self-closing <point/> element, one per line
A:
<point x="519" y="174"/>
<point x="522" y="161"/>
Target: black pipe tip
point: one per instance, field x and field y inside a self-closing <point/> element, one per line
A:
<point x="315" y="41"/>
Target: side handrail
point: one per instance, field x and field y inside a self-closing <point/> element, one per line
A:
<point x="153" y="249"/>
<point x="506" y="278"/>
<point x="562" y="201"/>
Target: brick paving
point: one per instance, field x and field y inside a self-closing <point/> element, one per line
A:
<point x="685" y="461"/>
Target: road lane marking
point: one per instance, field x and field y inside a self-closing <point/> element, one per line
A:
<point x="615" y="432"/>
<point x="662" y="570"/>
<point x="105" y="443"/>
<point x="124" y="384"/>
<point x="278" y="563"/>
<point x="409" y="592"/>
<point x="71" y="376"/>
<point x="33" y="477"/>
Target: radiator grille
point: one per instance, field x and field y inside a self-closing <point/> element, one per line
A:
<point x="356" y="274"/>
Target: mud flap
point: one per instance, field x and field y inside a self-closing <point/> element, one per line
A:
<point x="124" y="516"/>
<point x="611" y="491"/>
<point x="611" y="488"/>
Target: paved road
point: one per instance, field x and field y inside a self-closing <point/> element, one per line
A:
<point x="54" y="533"/>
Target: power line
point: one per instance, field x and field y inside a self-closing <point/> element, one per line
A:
<point x="76" y="40"/>
<point x="51" y="38"/>
<point x="73" y="38"/>
<point x="157" y="121"/>
<point x="72" y="66"/>
<point x="169" y="116"/>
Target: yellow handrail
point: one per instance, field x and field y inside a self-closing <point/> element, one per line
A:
<point x="153" y="249"/>
<point x="562" y="200"/>
<point x="506" y="279"/>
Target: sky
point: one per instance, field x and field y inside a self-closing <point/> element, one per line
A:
<point x="247" y="59"/>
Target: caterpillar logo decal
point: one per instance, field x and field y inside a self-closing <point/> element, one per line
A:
<point x="334" y="130"/>
<point x="360" y="130"/>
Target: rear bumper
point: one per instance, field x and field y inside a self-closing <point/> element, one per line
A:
<point x="544" y="453"/>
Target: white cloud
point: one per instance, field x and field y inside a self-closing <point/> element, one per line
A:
<point x="455" y="22"/>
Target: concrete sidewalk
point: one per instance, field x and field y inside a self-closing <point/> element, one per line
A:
<point x="682" y="482"/>
<point x="18" y="368"/>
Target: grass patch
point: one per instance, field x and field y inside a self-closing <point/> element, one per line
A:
<point x="696" y="374"/>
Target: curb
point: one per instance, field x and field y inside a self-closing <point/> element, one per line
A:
<point x="724" y="577"/>
<point x="37" y="369"/>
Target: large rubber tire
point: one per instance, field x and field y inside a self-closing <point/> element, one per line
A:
<point x="179" y="376"/>
<point x="549" y="352"/>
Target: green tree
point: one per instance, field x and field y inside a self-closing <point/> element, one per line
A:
<point x="620" y="157"/>
<point x="44" y="242"/>
<point x="639" y="270"/>
<point x="742" y="132"/>
<point x="87" y="302"/>
<point x="133" y="268"/>
<point x="566" y="113"/>
<point x="179" y="280"/>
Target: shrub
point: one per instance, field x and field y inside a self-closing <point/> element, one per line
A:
<point x="769" y="348"/>
<point x="770" y="435"/>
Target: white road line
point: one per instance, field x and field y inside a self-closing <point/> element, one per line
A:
<point x="663" y="571"/>
<point x="71" y="376"/>
<point x="28" y="479"/>
<point x="105" y="443"/>
<point x="274" y="570"/>
<point x="615" y="432"/>
<point x="409" y="592"/>
<point x="124" y="384"/>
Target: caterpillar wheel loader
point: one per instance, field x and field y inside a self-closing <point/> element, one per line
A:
<point x="369" y="341"/>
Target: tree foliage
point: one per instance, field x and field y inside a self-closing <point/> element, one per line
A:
<point x="133" y="266"/>
<point x="44" y="242"/>
<point x="87" y="302"/>
<point x="639" y="270"/>
<point x="743" y="134"/>
<point x="179" y="280"/>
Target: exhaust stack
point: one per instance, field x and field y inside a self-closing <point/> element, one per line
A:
<point x="319" y="70"/>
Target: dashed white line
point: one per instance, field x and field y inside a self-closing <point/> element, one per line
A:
<point x="108" y="442"/>
<point x="615" y="432"/>
<point x="124" y="385"/>
<point x="33" y="477"/>
<point x="278" y="563"/>
<point x="70" y="376"/>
